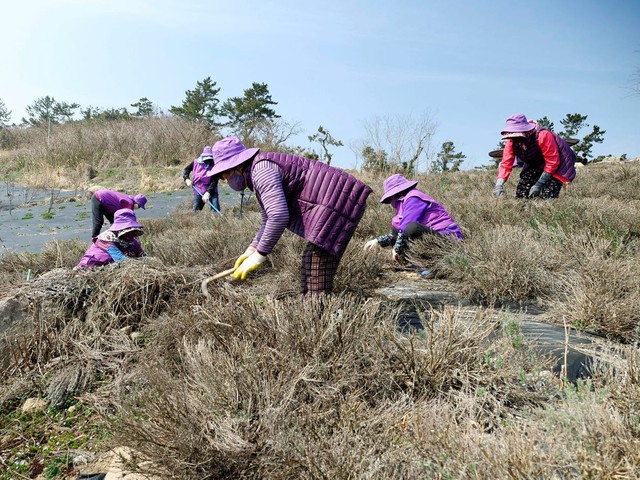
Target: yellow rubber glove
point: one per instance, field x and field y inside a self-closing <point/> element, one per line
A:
<point x="243" y="257"/>
<point x="249" y="265"/>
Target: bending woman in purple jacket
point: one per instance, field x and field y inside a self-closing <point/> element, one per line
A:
<point x="416" y="214"/>
<point x="115" y="244"/>
<point x="205" y="188"/>
<point x="104" y="204"/>
<point x="320" y="203"/>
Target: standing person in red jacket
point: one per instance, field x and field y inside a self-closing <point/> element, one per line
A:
<point x="104" y="203"/>
<point x="547" y="160"/>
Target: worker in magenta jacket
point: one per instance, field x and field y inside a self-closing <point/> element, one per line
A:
<point x="320" y="203"/>
<point x="205" y="186"/>
<point x="547" y="159"/>
<point x="104" y="203"/>
<point x="116" y="243"/>
<point x="417" y="214"/>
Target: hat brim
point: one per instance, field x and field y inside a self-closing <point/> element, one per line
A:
<point x="397" y="189"/>
<point x="130" y="229"/>
<point x="238" y="159"/>
<point x="508" y="135"/>
<point x="117" y="227"/>
<point x="518" y="129"/>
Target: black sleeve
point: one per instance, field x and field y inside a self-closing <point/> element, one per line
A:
<point x="187" y="170"/>
<point x="213" y="188"/>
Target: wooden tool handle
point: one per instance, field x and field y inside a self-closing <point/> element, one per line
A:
<point x="217" y="276"/>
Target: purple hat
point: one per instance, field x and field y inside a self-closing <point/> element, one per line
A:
<point x="207" y="153"/>
<point x="229" y="153"/>
<point x="516" y="126"/>
<point x="395" y="184"/>
<point x="141" y="200"/>
<point x="124" y="219"/>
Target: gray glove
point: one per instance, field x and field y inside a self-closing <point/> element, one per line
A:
<point x="537" y="187"/>
<point x="498" y="191"/>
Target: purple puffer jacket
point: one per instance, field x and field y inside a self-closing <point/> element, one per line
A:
<point x="199" y="176"/>
<point x="112" y="200"/>
<point x="428" y="213"/>
<point x="325" y="203"/>
<point x="531" y="155"/>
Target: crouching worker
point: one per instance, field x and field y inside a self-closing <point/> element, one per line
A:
<point x="320" y="203"/>
<point x="547" y="160"/>
<point x="417" y="214"/>
<point x="104" y="204"/>
<point x="115" y="244"/>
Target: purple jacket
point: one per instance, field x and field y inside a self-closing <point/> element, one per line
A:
<point x="199" y="177"/>
<point x="419" y="207"/>
<point x="97" y="255"/>
<point x="112" y="200"/>
<point x="323" y="204"/>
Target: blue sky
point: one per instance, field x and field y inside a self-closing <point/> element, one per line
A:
<point x="465" y="64"/>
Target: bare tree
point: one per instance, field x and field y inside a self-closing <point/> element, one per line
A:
<point x="404" y="141"/>
<point x="272" y="134"/>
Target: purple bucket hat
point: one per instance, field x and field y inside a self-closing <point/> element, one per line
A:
<point x="516" y="126"/>
<point x="395" y="184"/>
<point x="124" y="219"/>
<point x="229" y="152"/>
<point x="207" y="153"/>
<point x="141" y="200"/>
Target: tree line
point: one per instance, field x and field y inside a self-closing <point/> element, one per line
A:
<point x="391" y="144"/>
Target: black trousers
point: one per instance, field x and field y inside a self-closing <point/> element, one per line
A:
<point x="98" y="214"/>
<point x="529" y="176"/>
<point x="412" y="231"/>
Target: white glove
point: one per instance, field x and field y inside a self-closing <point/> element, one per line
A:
<point x="188" y="182"/>
<point x="244" y="256"/>
<point x="395" y="255"/>
<point x="498" y="191"/>
<point x="370" y="245"/>
<point x="249" y="265"/>
<point x="206" y="197"/>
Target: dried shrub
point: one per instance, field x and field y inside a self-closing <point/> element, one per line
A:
<point x="504" y="263"/>
<point x="603" y="296"/>
<point x="241" y="387"/>
<point x="55" y="254"/>
<point x="76" y="327"/>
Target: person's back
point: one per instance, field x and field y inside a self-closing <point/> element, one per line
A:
<point x="324" y="202"/>
<point x="104" y="203"/>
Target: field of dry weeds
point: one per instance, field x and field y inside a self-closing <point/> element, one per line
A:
<point x="258" y="383"/>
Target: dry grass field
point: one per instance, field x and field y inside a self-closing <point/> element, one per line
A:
<point x="257" y="382"/>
